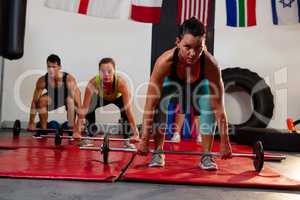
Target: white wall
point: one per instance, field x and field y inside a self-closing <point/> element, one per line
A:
<point x="269" y="50"/>
<point x="81" y="41"/>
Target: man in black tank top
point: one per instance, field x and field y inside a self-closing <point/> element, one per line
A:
<point x="194" y="81"/>
<point x="54" y="90"/>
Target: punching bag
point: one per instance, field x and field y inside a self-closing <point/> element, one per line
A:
<point x="1" y="28"/>
<point x="13" y="28"/>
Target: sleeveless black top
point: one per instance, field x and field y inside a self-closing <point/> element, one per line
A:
<point x="173" y="75"/>
<point x="57" y="92"/>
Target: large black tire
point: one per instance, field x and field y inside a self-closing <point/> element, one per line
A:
<point x="257" y="88"/>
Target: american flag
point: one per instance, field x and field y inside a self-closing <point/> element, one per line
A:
<point x="201" y="9"/>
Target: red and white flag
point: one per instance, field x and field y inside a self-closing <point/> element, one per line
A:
<point x="147" y="11"/>
<point x="201" y="9"/>
<point x="97" y="8"/>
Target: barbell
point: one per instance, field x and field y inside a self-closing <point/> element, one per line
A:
<point x="258" y="155"/>
<point x="17" y="129"/>
<point x="58" y="136"/>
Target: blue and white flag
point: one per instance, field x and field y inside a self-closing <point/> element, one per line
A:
<point x="285" y="12"/>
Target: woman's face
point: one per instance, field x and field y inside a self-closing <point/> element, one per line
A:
<point x="107" y="72"/>
<point x="190" y="48"/>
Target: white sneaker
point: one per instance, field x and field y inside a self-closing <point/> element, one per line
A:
<point x="199" y="139"/>
<point x="128" y="145"/>
<point x="208" y="163"/>
<point x="158" y="160"/>
<point x="86" y="143"/>
<point x="176" y="137"/>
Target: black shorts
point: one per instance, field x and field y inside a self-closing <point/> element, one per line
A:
<point x="97" y="102"/>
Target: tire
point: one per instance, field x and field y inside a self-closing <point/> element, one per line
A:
<point x="256" y="87"/>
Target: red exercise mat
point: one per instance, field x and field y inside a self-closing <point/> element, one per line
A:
<point x="183" y="169"/>
<point x="61" y="163"/>
<point x="28" y="141"/>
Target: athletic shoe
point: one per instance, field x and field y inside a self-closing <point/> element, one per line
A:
<point x="208" y="163"/>
<point x="158" y="160"/>
<point x="86" y="143"/>
<point x="176" y="138"/>
<point x="128" y="145"/>
<point x="37" y="136"/>
<point x="199" y="139"/>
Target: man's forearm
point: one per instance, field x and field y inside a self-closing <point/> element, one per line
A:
<point x="32" y="113"/>
<point x="77" y="99"/>
<point x="83" y="110"/>
<point x="32" y="118"/>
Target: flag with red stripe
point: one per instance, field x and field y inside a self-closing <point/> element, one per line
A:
<point x="201" y="9"/>
<point x="241" y="13"/>
<point x="96" y="8"/>
<point x="147" y="11"/>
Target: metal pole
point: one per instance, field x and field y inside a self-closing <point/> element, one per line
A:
<point x="1" y="85"/>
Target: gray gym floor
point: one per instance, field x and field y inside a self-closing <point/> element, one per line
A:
<point x="26" y="189"/>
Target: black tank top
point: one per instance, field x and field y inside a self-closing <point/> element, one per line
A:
<point x="57" y="92"/>
<point x="173" y="75"/>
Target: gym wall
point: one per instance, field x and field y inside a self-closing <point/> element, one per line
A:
<point x="81" y="41"/>
<point x="269" y="50"/>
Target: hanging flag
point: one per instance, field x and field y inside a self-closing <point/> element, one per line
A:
<point x="201" y="9"/>
<point x="285" y="12"/>
<point x="96" y="8"/>
<point x="241" y="13"/>
<point x="147" y="11"/>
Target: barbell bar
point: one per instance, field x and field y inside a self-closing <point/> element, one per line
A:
<point x="257" y="155"/>
<point x="59" y="134"/>
<point x="267" y="157"/>
<point x="59" y="138"/>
